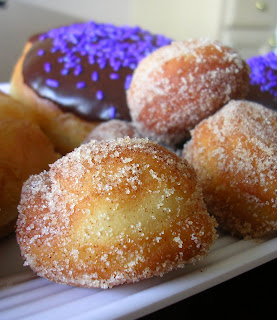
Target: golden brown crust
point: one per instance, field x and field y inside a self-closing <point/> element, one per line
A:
<point x="178" y="85"/>
<point x="25" y="150"/>
<point x="65" y="130"/>
<point x="234" y="154"/>
<point x="113" y="212"/>
<point x="10" y="108"/>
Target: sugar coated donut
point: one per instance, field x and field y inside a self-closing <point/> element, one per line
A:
<point x="75" y="76"/>
<point x="25" y="150"/>
<point x="234" y="153"/>
<point x="113" y="129"/>
<point x="180" y="84"/>
<point x="113" y="212"/>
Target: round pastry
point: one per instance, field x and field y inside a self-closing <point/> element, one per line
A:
<point x="113" y="212"/>
<point x="234" y="153"/>
<point x="25" y="150"/>
<point x="263" y="84"/>
<point x="178" y="85"/>
<point x="113" y="129"/>
<point x="75" y="76"/>
<point x="10" y="108"/>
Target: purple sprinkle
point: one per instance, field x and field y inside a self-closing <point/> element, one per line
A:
<point x="94" y="76"/>
<point x="78" y="70"/>
<point x="125" y="63"/>
<point x="47" y="67"/>
<point x="102" y="63"/>
<point x="100" y="54"/>
<point x="77" y="60"/>
<point x="52" y="83"/>
<point x="109" y="112"/>
<point x="70" y="64"/>
<point x="67" y="58"/>
<point x="114" y="76"/>
<point x="91" y="59"/>
<point x="99" y="95"/>
<point x="80" y="85"/>
<point x="54" y="49"/>
<point x="64" y="72"/>
<point x="73" y="38"/>
<point x="42" y="37"/>
<point x="128" y="81"/>
<point x="40" y="52"/>
<point x="133" y="66"/>
<point x="100" y="45"/>
<point x="135" y="37"/>
<point x="112" y="112"/>
<point x="83" y="52"/>
<point x="264" y="72"/>
<point x="116" y="66"/>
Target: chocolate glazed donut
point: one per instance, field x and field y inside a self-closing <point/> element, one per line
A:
<point x="84" y="70"/>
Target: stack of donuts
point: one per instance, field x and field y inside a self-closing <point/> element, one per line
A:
<point x="158" y="146"/>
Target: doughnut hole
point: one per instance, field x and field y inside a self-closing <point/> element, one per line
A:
<point x="113" y="212"/>
<point x="113" y="129"/>
<point x="178" y="85"/>
<point x="234" y="154"/>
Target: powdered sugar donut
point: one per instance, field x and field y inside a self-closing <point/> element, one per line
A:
<point x="234" y="153"/>
<point x="178" y="85"/>
<point x="113" y="129"/>
<point x="113" y="212"/>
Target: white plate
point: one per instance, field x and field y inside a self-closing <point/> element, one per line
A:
<point x="24" y="296"/>
<point x="5" y="87"/>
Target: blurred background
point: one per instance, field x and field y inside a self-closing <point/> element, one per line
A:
<point x="249" y="26"/>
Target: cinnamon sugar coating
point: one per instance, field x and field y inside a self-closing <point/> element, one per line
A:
<point x="234" y="153"/>
<point x="180" y="84"/>
<point x="113" y="212"/>
<point x="113" y="129"/>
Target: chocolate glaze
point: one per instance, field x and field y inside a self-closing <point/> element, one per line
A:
<point x="263" y="97"/>
<point x="93" y="100"/>
<point x="68" y="97"/>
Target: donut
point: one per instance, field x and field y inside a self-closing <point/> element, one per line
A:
<point x="234" y="154"/>
<point x="263" y="85"/>
<point x="10" y="108"/>
<point x="25" y="150"/>
<point x="113" y="212"/>
<point x="75" y="77"/>
<point x="182" y="83"/>
<point x="113" y="129"/>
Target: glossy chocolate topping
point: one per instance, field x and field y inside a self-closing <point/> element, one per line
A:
<point x="86" y="68"/>
<point x="265" y="98"/>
